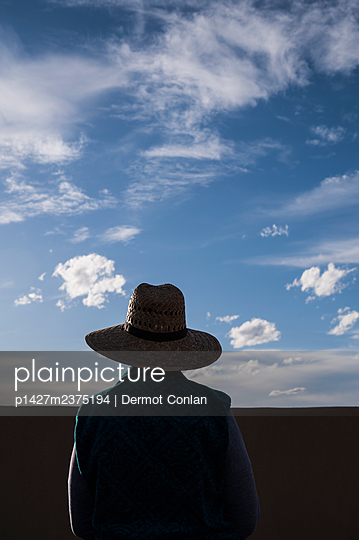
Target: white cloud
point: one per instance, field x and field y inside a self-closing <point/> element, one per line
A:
<point x="227" y="318"/>
<point x="346" y="319"/>
<point x="272" y="366"/>
<point x="275" y="231"/>
<point x="290" y="392"/>
<point x="80" y="235"/>
<point x="90" y="276"/>
<point x="291" y="360"/>
<point x="38" y="117"/>
<point x="253" y="332"/>
<point x="326" y="135"/>
<point x="252" y="367"/>
<point x="41" y="278"/>
<point x="35" y="296"/>
<point x="41" y="149"/>
<point x="122" y="233"/>
<point x="22" y="300"/>
<point x="208" y="315"/>
<point x="210" y="148"/>
<point x="322" y="285"/>
<point x="28" y="200"/>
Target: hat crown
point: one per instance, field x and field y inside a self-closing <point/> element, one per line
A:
<point x="156" y="308"/>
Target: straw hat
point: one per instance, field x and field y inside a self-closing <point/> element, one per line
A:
<point x="155" y="333"/>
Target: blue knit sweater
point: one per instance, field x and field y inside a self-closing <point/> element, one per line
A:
<point x="161" y="477"/>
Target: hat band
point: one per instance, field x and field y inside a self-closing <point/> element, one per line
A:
<point x="154" y="336"/>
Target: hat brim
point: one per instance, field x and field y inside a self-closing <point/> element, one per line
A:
<point x="198" y="349"/>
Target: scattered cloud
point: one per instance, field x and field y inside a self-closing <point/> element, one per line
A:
<point x="346" y="319"/>
<point x="80" y="235"/>
<point x="34" y="296"/>
<point x="219" y="57"/>
<point x="208" y="315"/>
<point x="122" y="233"/>
<point x="228" y="318"/>
<point x="322" y="285"/>
<point x="321" y="378"/>
<point x="41" y="278"/>
<point x="253" y="332"/>
<point x="326" y="135"/>
<point x="91" y="276"/>
<point x="275" y="231"/>
<point x="290" y="392"/>
<point x="27" y="200"/>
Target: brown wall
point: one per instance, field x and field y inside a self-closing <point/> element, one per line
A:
<point x="306" y="470"/>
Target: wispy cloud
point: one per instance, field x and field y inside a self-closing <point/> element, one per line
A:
<point x="227" y="318"/>
<point x="275" y="231"/>
<point x="218" y="57"/>
<point x="346" y="319"/>
<point x="345" y="251"/>
<point x="326" y="135"/>
<point x="27" y="200"/>
<point x="321" y="285"/>
<point x="121" y="233"/>
<point x="7" y="284"/>
<point x="325" y="32"/>
<point x="253" y="332"/>
<point x="80" y="235"/>
<point x="290" y="392"/>
<point x="39" y="120"/>
<point x="210" y="147"/>
<point x="331" y="194"/>
<point x="89" y="276"/>
<point x="158" y="180"/>
<point x="159" y="175"/>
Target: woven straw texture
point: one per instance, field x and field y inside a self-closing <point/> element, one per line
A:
<point x="157" y="309"/>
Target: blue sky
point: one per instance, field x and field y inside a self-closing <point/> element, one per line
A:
<point x="212" y="145"/>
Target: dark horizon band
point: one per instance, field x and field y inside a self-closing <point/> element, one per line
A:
<point x="154" y="336"/>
